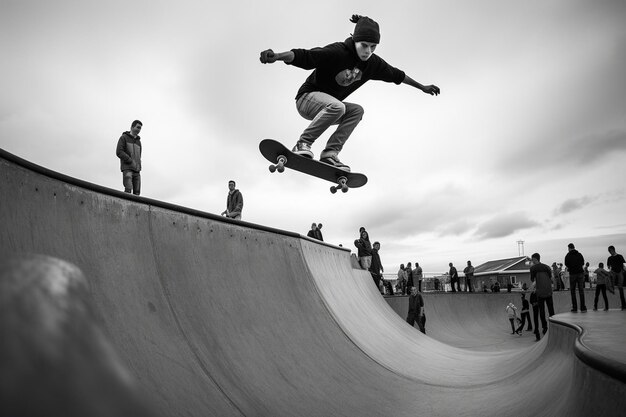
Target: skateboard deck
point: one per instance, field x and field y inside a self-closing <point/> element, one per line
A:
<point x="282" y="158"/>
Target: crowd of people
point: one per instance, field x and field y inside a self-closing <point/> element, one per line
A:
<point x="544" y="280"/>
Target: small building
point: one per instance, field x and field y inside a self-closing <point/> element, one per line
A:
<point x="510" y="270"/>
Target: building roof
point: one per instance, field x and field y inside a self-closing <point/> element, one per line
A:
<point x="508" y="265"/>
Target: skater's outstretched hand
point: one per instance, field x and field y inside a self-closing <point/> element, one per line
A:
<point x="433" y="90"/>
<point x="268" y="57"/>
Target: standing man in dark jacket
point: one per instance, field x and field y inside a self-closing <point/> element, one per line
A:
<point x="234" y="202"/>
<point x="535" y="305"/>
<point x="615" y="263"/>
<point x="339" y="69"/>
<point x="129" y="151"/>
<point x="575" y="263"/>
<point x="364" y="249"/>
<point x="541" y="275"/>
<point x="376" y="269"/>
<point x="416" y="310"/>
<point x="315" y="232"/>
<point x="320" y="236"/>
<point x="454" y="277"/>
<point x="469" y="277"/>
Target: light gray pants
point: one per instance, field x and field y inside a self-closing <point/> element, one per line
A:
<point x="324" y="111"/>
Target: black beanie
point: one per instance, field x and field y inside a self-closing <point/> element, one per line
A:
<point x="366" y="30"/>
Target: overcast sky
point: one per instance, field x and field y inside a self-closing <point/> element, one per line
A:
<point x="527" y="140"/>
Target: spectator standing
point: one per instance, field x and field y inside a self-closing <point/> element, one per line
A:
<point x="401" y="283"/>
<point x="555" y="275"/>
<point x="418" y="276"/>
<point x="364" y="249"/>
<point x="535" y="305"/>
<point x="409" y="276"/>
<point x="575" y="262"/>
<point x="603" y="278"/>
<point x="561" y="276"/>
<point x="540" y="274"/>
<point x="313" y="232"/>
<point x="511" y="312"/>
<point x="376" y="269"/>
<point x="469" y="276"/>
<point x="586" y="272"/>
<point x="615" y="263"/>
<point x="416" y="310"/>
<point x="454" y="277"/>
<point x="525" y="315"/>
<point x="234" y="202"/>
<point x="129" y="151"/>
<point x="319" y="232"/>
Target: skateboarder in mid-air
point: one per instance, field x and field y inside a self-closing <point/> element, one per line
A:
<point x="339" y="69"/>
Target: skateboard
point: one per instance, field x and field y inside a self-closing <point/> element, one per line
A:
<point x="282" y="158"/>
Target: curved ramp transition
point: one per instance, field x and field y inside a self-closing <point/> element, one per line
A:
<point x="190" y="314"/>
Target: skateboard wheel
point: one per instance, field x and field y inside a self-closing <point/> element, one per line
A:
<point x="280" y="168"/>
<point x="344" y="189"/>
<point x="333" y="190"/>
<point x="272" y="168"/>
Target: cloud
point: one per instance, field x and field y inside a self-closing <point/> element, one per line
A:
<point x="456" y="228"/>
<point x="504" y="225"/>
<point x="399" y="214"/>
<point x="592" y="149"/>
<point x="598" y="146"/>
<point x="573" y="204"/>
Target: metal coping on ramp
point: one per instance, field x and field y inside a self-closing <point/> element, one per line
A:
<point x="146" y="200"/>
<point x="595" y="356"/>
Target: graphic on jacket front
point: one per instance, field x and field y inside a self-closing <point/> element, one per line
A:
<point x="348" y="76"/>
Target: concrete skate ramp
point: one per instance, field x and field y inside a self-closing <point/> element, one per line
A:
<point x="478" y="321"/>
<point x="220" y="318"/>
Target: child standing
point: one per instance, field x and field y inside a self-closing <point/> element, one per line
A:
<point x="511" y="311"/>
<point x="603" y="281"/>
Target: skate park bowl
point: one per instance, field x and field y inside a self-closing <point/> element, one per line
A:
<point x="113" y="304"/>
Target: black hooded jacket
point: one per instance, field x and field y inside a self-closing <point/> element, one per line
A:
<point x="339" y="71"/>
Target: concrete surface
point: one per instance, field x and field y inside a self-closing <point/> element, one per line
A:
<point x="488" y="329"/>
<point x="211" y="317"/>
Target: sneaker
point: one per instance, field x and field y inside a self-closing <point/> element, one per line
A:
<point x="334" y="161"/>
<point x="606" y="309"/>
<point x="583" y="310"/>
<point x="303" y="149"/>
<point x="574" y="310"/>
